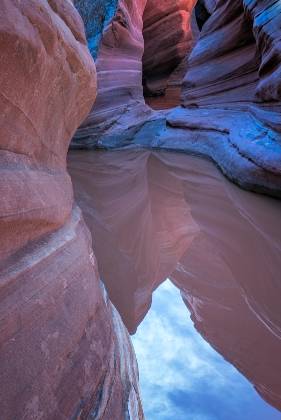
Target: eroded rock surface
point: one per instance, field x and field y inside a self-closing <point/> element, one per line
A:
<point x="119" y="72"/>
<point x="155" y="215"/>
<point x="64" y="350"/>
<point x="167" y="40"/>
<point x="236" y="79"/>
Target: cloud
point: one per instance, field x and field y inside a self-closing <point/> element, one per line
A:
<point x="182" y="377"/>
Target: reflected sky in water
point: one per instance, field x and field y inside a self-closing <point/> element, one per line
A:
<point x="182" y="377"/>
<point x="155" y="215"/>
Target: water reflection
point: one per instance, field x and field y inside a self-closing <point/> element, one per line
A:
<point x="182" y="377"/>
<point x="156" y="215"/>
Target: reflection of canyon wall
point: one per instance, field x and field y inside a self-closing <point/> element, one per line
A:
<point x="155" y="215"/>
<point x="130" y="259"/>
<point x="229" y="278"/>
<point x="64" y="350"/>
<point x="167" y="40"/>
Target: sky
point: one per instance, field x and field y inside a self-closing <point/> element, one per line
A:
<point x="181" y="376"/>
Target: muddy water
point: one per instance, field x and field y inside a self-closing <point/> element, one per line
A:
<point x="156" y="215"/>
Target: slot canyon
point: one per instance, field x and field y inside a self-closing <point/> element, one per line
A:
<point x="140" y="162"/>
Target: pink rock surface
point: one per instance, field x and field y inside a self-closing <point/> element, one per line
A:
<point x="41" y="72"/>
<point x="227" y="73"/>
<point x="119" y="71"/>
<point x="167" y="40"/>
<point x="245" y="63"/>
<point x="64" y="351"/>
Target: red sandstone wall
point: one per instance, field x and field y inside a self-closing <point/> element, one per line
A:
<point x="244" y="66"/>
<point x="64" y="350"/>
<point x="119" y="70"/>
<point x="167" y="40"/>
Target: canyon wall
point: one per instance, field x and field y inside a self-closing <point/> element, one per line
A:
<point x="119" y="71"/>
<point x="96" y="15"/>
<point x="130" y="42"/>
<point x="167" y="40"/>
<point x="231" y="93"/>
<point x="64" y="350"/>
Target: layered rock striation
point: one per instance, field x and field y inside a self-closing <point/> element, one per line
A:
<point x="167" y="40"/>
<point x="119" y="72"/>
<point x="234" y="90"/>
<point x="64" y="350"/>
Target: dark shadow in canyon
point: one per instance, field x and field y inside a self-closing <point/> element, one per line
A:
<point x="157" y="215"/>
<point x="168" y="41"/>
<point x="170" y="31"/>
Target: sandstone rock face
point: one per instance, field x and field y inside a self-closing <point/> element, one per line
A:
<point x="167" y="40"/>
<point x="155" y="215"/>
<point x="237" y="80"/>
<point x="119" y="70"/>
<point x="64" y="351"/>
<point x="229" y="72"/>
<point x="40" y="72"/>
<point x="245" y="65"/>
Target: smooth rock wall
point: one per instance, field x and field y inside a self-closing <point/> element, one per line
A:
<point x="119" y="72"/>
<point x="167" y="41"/>
<point x="245" y="64"/>
<point x="227" y="73"/>
<point x="64" y="350"/>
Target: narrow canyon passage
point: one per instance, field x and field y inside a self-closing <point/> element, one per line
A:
<point x="159" y="215"/>
<point x="170" y="30"/>
<point x="139" y="234"/>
